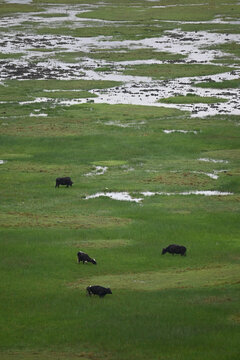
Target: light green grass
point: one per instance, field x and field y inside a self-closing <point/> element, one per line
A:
<point x="29" y="89"/>
<point x="184" y="13"/>
<point x="10" y="56"/>
<point x="170" y="71"/>
<point x="217" y="28"/>
<point x="6" y="9"/>
<point x="191" y="99"/>
<point x="226" y="84"/>
<point x="180" y="279"/>
<point x="119" y="54"/>
<point x="129" y="55"/>
<point x="118" y="32"/>
<point x="229" y="47"/>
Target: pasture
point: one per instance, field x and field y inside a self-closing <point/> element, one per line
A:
<point x="150" y="138"/>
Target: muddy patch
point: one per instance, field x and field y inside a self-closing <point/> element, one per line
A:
<point x="214" y="175"/>
<point x="235" y="318"/>
<point x="53" y="355"/>
<point x="216" y="300"/>
<point x="17" y="219"/>
<point x="101" y="243"/>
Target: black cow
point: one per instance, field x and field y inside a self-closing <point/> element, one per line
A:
<point x="175" y="249"/>
<point x="98" y="290"/>
<point x="85" y="258"/>
<point x="63" y="181"/>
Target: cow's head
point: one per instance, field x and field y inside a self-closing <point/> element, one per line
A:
<point x="164" y="251"/>
<point x="109" y="291"/>
<point x="94" y="262"/>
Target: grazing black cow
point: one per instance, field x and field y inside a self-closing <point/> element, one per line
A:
<point x="85" y="258"/>
<point x="175" y="249"/>
<point x="63" y="181"/>
<point x="98" y="290"/>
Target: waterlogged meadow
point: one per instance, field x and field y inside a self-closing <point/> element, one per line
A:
<point x="138" y="102"/>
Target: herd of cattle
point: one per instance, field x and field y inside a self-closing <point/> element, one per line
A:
<point x="85" y="258"/>
<point x="102" y="291"/>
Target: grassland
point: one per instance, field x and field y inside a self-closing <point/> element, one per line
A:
<point x="191" y="99"/>
<point x="120" y="55"/>
<point x="171" y="71"/>
<point x="181" y="13"/>
<point x="162" y="307"/>
<point x="12" y="91"/>
<point x="227" y="84"/>
<point x="44" y="311"/>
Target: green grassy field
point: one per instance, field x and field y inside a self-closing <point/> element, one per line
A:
<point x="162" y="307"/>
<point x="175" y="306"/>
<point x="191" y="99"/>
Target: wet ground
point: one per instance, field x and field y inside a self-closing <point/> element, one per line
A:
<point x="36" y="64"/>
<point x="125" y="196"/>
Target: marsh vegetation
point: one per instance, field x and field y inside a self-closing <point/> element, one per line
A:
<point x="125" y="97"/>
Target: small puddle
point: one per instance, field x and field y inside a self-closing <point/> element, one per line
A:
<point x="180" y="131"/>
<point x="125" y="196"/>
<point x="126" y="125"/>
<point x="99" y="170"/>
<point x="121" y="196"/>
<point x="38" y="115"/>
<point x="192" y="192"/>
<point x="18" y="1"/>
<point x="213" y="175"/>
<point x="213" y="160"/>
